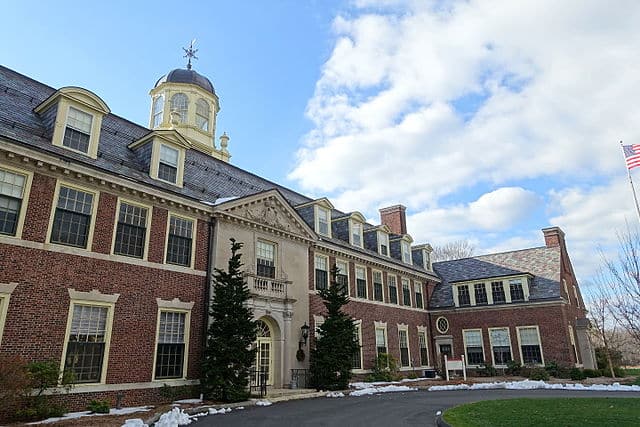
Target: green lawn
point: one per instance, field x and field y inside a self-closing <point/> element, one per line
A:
<point x="547" y="412"/>
<point x="632" y="371"/>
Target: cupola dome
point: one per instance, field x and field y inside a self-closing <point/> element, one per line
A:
<point x="188" y="76"/>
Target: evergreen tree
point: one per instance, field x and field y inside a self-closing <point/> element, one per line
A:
<point x="332" y="358"/>
<point x="228" y="355"/>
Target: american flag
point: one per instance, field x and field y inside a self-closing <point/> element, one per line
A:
<point x="632" y="155"/>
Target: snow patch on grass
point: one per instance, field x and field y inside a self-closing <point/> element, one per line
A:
<point x="75" y="415"/>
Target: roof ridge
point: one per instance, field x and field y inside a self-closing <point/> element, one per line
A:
<point x="491" y="254"/>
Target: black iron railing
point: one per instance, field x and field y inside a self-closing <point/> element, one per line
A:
<point x="258" y="381"/>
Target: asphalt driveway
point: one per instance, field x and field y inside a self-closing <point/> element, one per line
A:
<point x="416" y="408"/>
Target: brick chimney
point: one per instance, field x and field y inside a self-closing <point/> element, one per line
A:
<point x="395" y="218"/>
<point x="553" y="236"/>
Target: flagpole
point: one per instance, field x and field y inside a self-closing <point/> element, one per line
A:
<point x="633" y="189"/>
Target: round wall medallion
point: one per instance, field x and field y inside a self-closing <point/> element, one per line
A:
<point x="442" y="325"/>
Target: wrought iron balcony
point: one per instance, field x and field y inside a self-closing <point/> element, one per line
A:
<point x="267" y="287"/>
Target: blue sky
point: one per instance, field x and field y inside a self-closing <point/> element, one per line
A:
<point x="488" y="123"/>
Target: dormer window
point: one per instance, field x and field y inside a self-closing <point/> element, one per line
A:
<point x="322" y="221"/>
<point x="406" y="252"/>
<point x="426" y="260"/>
<point x="77" y="133"/>
<point x="383" y="243"/>
<point x="356" y="234"/>
<point x="202" y="114"/>
<point x="180" y="104"/>
<point x="158" y="110"/>
<point x="168" y="166"/>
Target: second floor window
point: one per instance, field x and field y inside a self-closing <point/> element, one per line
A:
<point x="77" y="134"/>
<point x="11" y="194"/>
<point x="361" y="282"/>
<point x="168" y="167"/>
<point x="377" y="286"/>
<point x="265" y="259"/>
<point x="497" y="292"/>
<point x="463" y="295"/>
<point x="418" y="288"/>
<point x="322" y="274"/>
<point x="342" y="275"/>
<point x="72" y="218"/>
<point x="393" y="289"/>
<point x="406" y="293"/>
<point x="180" y="241"/>
<point x="131" y="230"/>
<point x="480" y="292"/>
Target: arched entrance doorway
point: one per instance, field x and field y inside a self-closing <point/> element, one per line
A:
<point x="265" y="350"/>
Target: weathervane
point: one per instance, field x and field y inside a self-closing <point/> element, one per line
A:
<point x="190" y="53"/>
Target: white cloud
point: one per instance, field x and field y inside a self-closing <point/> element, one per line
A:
<point x="554" y="86"/>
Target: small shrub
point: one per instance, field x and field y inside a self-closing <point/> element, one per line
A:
<point x="99" y="406"/>
<point x="513" y="368"/>
<point x="489" y="370"/>
<point x="577" y="374"/>
<point x="412" y="375"/>
<point x="538" y="374"/>
<point x="385" y="368"/>
<point x="592" y="373"/>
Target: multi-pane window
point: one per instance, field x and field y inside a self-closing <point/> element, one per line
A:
<point x="473" y="347"/>
<point x="404" y="347"/>
<point x="12" y="187"/>
<point x="463" y="295"/>
<point x="180" y="241"/>
<point x="77" y="133"/>
<point x="530" y="345"/>
<point x="158" y="110"/>
<point x="86" y="345"/>
<point x="356" y="234"/>
<point x="323" y="221"/>
<point x="180" y="104"/>
<point x="497" y="292"/>
<point x="322" y="272"/>
<point x="171" y="345"/>
<point x="131" y="230"/>
<point x="406" y="292"/>
<point x="426" y="259"/>
<point x="418" y="291"/>
<point x="168" y="166"/>
<point x="515" y="288"/>
<point x="381" y="340"/>
<point x="480" y="292"/>
<point x="202" y="114"/>
<point x="377" y="286"/>
<point x="72" y="217"/>
<point x="393" y="289"/>
<point x="424" y="353"/>
<point x="342" y="275"/>
<point x="500" y="346"/>
<point x="406" y="252"/>
<point x="361" y="282"/>
<point x="357" y="358"/>
<point x="383" y="243"/>
<point x="265" y="259"/>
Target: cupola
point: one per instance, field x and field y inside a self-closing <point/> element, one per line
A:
<point x="185" y="100"/>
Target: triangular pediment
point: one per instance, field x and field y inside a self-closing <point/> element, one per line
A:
<point x="169" y="136"/>
<point x="268" y="209"/>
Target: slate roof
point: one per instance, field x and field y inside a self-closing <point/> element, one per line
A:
<point x="205" y="178"/>
<point x="542" y="262"/>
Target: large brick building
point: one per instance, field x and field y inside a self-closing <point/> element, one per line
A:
<point x="109" y="233"/>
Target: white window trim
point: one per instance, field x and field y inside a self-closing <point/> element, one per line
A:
<point x="61" y="126"/>
<point x="366" y="282"/>
<point x="346" y="264"/>
<point x="358" y="324"/>
<point x="382" y="233"/>
<point x="382" y="326"/>
<point x="28" y="179"/>
<point x="398" y="291"/>
<point x="539" y="343"/>
<point x="94" y="213"/>
<point x="411" y="297"/>
<point x="423" y="330"/>
<point x="464" y="344"/>
<point x="493" y="359"/>
<point x="147" y="235"/>
<point x="438" y="328"/>
<point x="427" y="263"/>
<point x="489" y="290"/>
<point x="6" y="289"/>
<point x="93" y="298"/>
<point x="173" y="306"/>
<point x="328" y="270"/>
<point x="316" y="216"/>
<point x="373" y="272"/>
<point x="524" y="282"/>
<point x="408" y="259"/>
<point x="155" y="162"/>
<point x="193" y="239"/>
<point x="276" y="255"/>
<point x="351" y="224"/>
<point x="418" y="285"/>
<point x="405" y="328"/>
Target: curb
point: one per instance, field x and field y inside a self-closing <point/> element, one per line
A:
<point x="440" y="422"/>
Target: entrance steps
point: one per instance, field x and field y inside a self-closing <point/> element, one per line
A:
<point x="282" y="394"/>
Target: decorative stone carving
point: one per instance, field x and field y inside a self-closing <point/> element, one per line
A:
<point x="270" y="213"/>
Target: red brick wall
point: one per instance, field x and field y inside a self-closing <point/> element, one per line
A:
<point x="36" y="220"/>
<point x="105" y="222"/>
<point x="158" y="236"/>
